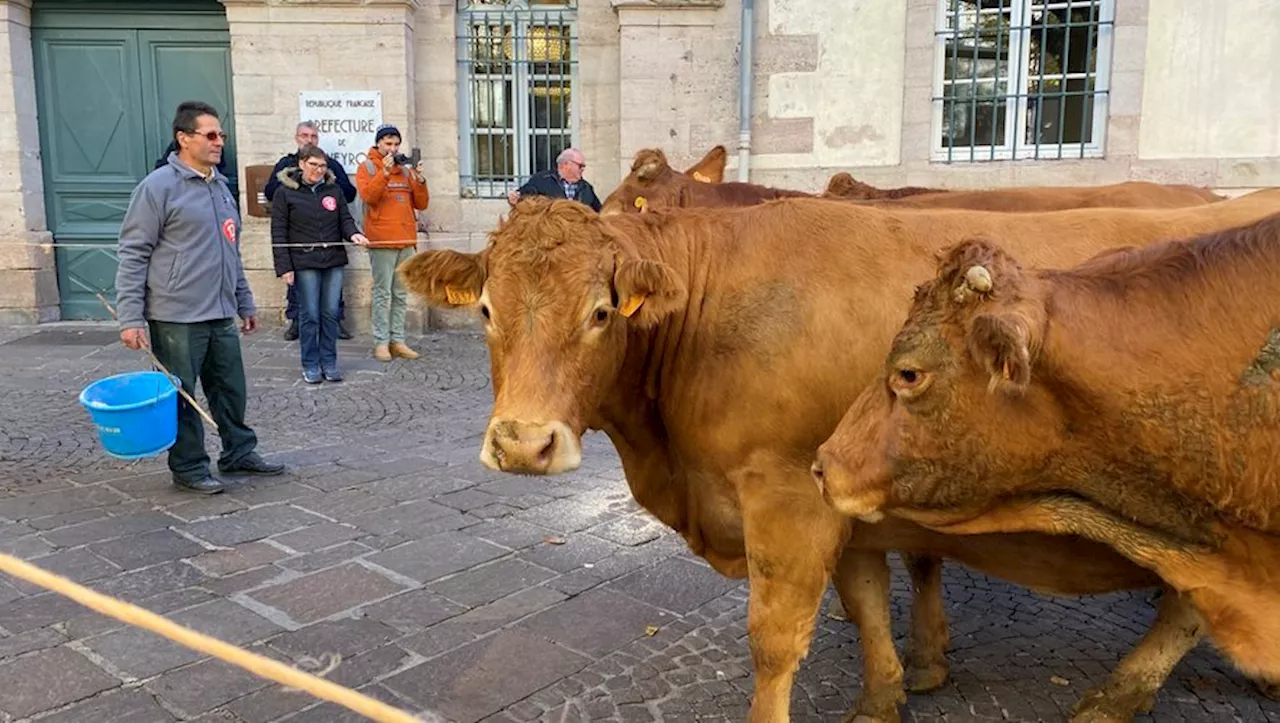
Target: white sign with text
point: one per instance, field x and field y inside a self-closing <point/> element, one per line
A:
<point x="346" y="120"/>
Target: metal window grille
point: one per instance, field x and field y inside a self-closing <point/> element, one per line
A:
<point x="517" y="66"/>
<point x="1020" y="79"/>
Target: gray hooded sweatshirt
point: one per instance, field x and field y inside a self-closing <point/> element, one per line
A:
<point x="180" y="251"/>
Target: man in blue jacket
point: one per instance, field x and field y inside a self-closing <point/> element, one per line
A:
<point x="181" y="277"/>
<point x="306" y="134"/>
<point x="565" y="181"/>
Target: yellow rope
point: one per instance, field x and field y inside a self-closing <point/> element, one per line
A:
<point x="258" y="665"/>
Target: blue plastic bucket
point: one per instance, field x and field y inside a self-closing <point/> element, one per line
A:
<point x="136" y="413"/>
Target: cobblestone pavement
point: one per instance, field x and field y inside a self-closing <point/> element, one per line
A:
<point x="441" y="587"/>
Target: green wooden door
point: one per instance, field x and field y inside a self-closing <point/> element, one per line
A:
<point x="108" y="77"/>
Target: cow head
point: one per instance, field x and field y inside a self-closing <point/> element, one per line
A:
<point x="654" y="183"/>
<point x="843" y="185"/>
<point x="558" y="290"/>
<point x="956" y="407"/>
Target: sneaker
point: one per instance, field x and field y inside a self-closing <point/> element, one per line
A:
<point x="400" y="349"/>
<point x="312" y="376"/>
<point x="253" y="464"/>
<point x="342" y="330"/>
<point x="291" y="333"/>
<point x="382" y="353"/>
<point x="332" y="375"/>
<point x="206" y="485"/>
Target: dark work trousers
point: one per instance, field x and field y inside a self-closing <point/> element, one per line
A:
<point x="291" y="304"/>
<point x="208" y="351"/>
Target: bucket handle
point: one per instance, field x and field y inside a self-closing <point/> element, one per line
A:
<point x="161" y="367"/>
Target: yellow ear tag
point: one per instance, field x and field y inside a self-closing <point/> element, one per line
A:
<point x="641" y="202"/>
<point x="630" y="305"/>
<point x="459" y="297"/>
<point x="699" y="177"/>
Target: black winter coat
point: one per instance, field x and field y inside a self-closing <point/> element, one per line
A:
<point x="547" y="183"/>
<point x="314" y="215"/>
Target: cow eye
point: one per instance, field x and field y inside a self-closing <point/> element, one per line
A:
<point x="484" y="311"/>
<point x="601" y="316"/>
<point x="908" y="382"/>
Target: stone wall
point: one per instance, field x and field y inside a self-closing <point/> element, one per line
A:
<point x="841" y="86"/>
<point x="28" y="279"/>
<point x="368" y="45"/>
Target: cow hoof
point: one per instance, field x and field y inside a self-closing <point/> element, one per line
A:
<point x="872" y="708"/>
<point x="926" y="678"/>
<point x="1106" y="705"/>
<point x="1271" y="690"/>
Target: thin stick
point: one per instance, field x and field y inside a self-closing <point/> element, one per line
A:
<point x="190" y="399"/>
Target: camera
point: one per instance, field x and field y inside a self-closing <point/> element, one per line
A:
<point x="401" y="159"/>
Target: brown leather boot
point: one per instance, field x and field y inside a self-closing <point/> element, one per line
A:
<point x="400" y="349"/>
<point x="382" y="353"/>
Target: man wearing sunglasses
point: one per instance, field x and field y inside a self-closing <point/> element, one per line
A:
<point x="182" y="280"/>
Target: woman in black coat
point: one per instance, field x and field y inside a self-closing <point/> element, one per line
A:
<point x="309" y="223"/>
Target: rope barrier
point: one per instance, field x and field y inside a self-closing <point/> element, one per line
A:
<point x="259" y="665"/>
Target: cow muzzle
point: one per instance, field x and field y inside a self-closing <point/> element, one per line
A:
<point x="838" y="489"/>
<point x="538" y="448"/>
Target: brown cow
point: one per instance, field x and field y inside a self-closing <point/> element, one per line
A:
<point x="844" y="185"/>
<point x="1129" y="194"/>
<point x="653" y="184"/>
<point x="1133" y="399"/>
<point x="717" y="348"/>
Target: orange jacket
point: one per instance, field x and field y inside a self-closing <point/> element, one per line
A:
<point x="390" y="200"/>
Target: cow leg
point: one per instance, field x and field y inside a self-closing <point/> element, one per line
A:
<point x="927" y="666"/>
<point x="787" y="566"/>
<point x="1132" y="686"/>
<point x="862" y="579"/>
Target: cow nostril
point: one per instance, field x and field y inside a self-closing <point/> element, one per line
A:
<point x="548" y="449"/>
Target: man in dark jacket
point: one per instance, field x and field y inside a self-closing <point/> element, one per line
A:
<point x="181" y="283"/>
<point x="565" y="181"/>
<point x="306" y="134"/>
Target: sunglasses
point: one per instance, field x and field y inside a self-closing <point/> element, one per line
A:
<point x="210" y="135"/>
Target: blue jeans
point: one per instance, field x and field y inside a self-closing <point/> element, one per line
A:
<point x="291" y="304"/>
<point x="318" y="293"/>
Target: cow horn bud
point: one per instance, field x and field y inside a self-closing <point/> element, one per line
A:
<point x="978" y="279"/>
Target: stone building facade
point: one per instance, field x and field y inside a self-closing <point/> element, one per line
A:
<point x="897" y="92"/>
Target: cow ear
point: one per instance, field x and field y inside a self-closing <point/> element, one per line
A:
<point x="711" y="168"/>
<point x="444" y="277"/>
<point x="1001" y="343"/>
<point x="647" y="290"/>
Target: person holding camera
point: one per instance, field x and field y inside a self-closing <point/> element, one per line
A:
<point x="392" y="190"/>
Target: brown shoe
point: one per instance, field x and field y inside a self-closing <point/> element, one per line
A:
<point x="382" y="353"/>
<point x="400" y="349"/>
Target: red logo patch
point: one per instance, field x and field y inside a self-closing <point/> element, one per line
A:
<point x="229" y="230"/>
<point x="329" y="203"/>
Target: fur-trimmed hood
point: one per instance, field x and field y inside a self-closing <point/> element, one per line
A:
<point x="291" y="177"/>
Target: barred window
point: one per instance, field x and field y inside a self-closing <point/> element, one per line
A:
<point x="1021" y="79"/>
<point x="517" y="63"/>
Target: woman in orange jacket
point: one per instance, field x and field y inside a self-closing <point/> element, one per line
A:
<point x="391" y="192"/>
